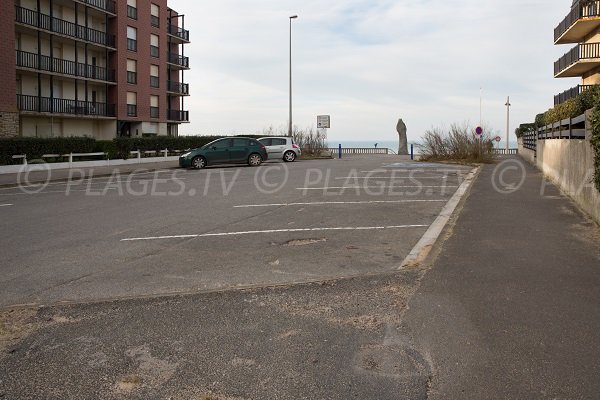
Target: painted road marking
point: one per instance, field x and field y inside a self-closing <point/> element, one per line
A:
<point x="324" y="203"/>
<point x="221" y="234"/>
<point x="375" y="187"/>
<point x="57" y="191"/>
<point x="425" y="244"/>
<point x="6" y="205"/>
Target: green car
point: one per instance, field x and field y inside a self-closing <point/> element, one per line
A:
<point x="225" y="151"/>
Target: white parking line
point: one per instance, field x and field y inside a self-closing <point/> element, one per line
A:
<point x="324" y="203"/>
<point x="375" y="187"/>
<point x="91" y="190"/>
<point x="6" y="205"/>
<point x="360" y="228"/>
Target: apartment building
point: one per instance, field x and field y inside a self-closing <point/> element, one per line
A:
<point x="580" y="26"/>
<point x="95" y="68"/>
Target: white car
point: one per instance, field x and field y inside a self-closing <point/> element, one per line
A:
<point x="282" y="148"/>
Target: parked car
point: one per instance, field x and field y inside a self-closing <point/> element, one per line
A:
<point x="282" y="148"/>
<point x="238" y="150"/>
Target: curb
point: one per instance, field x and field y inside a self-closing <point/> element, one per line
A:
<point x="86" y="176"/>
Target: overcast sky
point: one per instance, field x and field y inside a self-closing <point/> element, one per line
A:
<point x="369" y="62"/>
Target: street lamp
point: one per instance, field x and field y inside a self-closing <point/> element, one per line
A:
<point x="507" y="123"/>
<point x="290" y="127"/>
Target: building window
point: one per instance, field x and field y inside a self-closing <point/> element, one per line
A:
<point x="155" y="15"/>
<point x="154" y="109"/>
<point x="131" y="104"/>
<point x="154" y="76"/>
<point x="131" y="38"/>
<point x="132" y="9"/>
<point x="132" y="71"/>
<point x="154" y="39"/>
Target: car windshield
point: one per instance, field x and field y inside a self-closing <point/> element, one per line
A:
<point x="208" y="145"/>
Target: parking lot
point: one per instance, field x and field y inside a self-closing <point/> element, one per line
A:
<point x="178" y="231"/>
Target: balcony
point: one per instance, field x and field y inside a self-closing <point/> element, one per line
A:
<point x="580" y="22"/>
<point x="181" y="89"/>
<point x="178" y="116"/>
<point x="179" y="33"/>
<point x="63" y="67"/>
<point x="45" y="22"/>
<point x="579" y="60"/>
<point x="179" y="61"/>
<point x="104" y="5"/>
<point x="571" y="93"/>
<point x="35" y="104"/>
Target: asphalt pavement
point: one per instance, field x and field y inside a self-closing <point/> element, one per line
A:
<point x="506" y="307"/>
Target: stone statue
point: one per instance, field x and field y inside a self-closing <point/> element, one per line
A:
<point x="403" y="147"/>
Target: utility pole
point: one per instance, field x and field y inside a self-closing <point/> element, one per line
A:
<point x="507" y="123"/>
<point x="290" y="127"/>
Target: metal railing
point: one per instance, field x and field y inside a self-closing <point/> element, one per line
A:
<point x="179" y="60"/>
<point x="530" y="140"/>
<point x="131" y="110"/>
<point x="178" y="87"/>
<point x="66" y="67"/>
<point x="571" y="93"/>
<point x="570" y="128"/>
<point x="64" y="106"/>
<point x="179" y="32"/>
<point x="580" y="52"/>
<point x="106" y="5"/>
<point x="177" y="115"/>
<point x="591" y="9"/>
<point x="505" y="152"/>
<point x="360" y="150"/>
<point x="67" y="28"/>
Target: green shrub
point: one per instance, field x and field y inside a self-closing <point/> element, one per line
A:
<point x="524" y="128"/>
<point x="35" y="148"/>
<point x="595" y="122"/>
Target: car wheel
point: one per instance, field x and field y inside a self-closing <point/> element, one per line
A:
<point x="289" y="156"/>
<point x="255" y="160"/>
<point x="198" y="162"/>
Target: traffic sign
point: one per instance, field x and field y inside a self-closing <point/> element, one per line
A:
<point x="479" y="131"/>
<point x="498" y="139"/>
<point x="323" y="121"/>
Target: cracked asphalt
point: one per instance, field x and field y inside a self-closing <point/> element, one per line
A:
<point x="511" y="318"/>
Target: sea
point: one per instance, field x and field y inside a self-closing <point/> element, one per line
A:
<point x="391" y="144"/>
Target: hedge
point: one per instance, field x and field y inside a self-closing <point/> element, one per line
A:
<point x="34" y="148"/>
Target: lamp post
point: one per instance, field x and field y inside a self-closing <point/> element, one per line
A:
<point x="507" y="123"/>
<point x="290" y="127"/>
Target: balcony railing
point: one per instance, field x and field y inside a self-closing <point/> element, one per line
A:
<point x="65" y="67"/>
<point x="131" y="110"/>
<point x="106" y="5"/>
<point x="52" y="24"/>
<point x="571" y="93"/>
<point x="592" y="9"/>
<point x="179" y="32"/>
<point x="64" y="106"/>
<point x="179" y="60"/>
<point x="177" y="115"/>
<point x="577" y="53"/>
<point x="178" y="87"/>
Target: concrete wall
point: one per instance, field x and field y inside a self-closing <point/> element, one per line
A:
<point x="527" y="154"/>
<point x="570" y="165"/>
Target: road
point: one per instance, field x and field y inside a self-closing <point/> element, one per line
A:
<point x="180" y="231"/>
